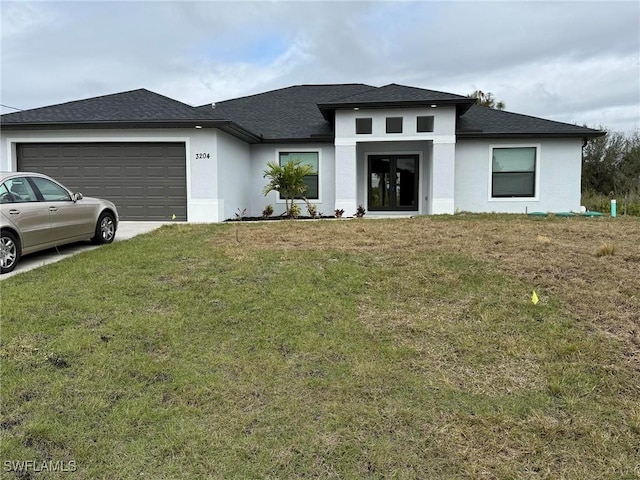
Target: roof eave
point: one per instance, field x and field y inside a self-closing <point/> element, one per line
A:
<point x="224" y="125"/>
<point x="237" y="131"/>
<point x="593" y="134"/>
<point x="462" y="105"/>
<point x="298" y="140"/>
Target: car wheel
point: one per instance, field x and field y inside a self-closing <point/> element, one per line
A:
<point x="9" y="252"/>
<point x="105" y="229"/>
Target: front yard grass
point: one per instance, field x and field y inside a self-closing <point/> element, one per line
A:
<point x="405" y="348"/>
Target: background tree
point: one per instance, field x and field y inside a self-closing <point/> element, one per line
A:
<point x="630" y="164"/>
<point x="287" y="180"/>
<point x="611" y="164"/>
<point x="611" y="169"/>
<point x="600" y="158"/>
<point x="487" y="100"/>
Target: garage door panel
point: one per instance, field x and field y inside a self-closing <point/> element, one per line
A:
<point x="134" y="171"/>
<point x="110" y="191"/>
<point x="174" y="150"/>
<point x="155" y="171"/>
<point x="155" y="211"/>
<point x="174" y="172"/>
<point x="155" y="151"/>
<point x="51" y="171"/>
<point x="91" y="171"/>
<point x="72" y="171"/>
<point x="132" y="150"/>
<point x="134" y="191"/>
<point x="112" y="151"/>
<point x="49" y="152"/>
<point x="30" y="151"/>
<point x="69" y="151"/>
<point x="156" y="190"/>
<point x="135" y="211"/>
<point x="146" y="181"/>
<point x="95" y="182"/>
<point x="176" y="208"/>
<point x="112" y="171"/>
<point x="92" y="151"/>
<point x="94" y="191"/>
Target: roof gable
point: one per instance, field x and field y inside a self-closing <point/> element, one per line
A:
<point x="285" y="114"/>
<point x="397" y="93"/>
<point x="132" y="106"/>
<point x="481" y="121"/>
<point x="394" y="95"/>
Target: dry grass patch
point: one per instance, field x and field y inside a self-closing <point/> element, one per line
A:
<point x="553" y="255"/>
<point x="605" y="249"/>
<point x="401" y="348"/>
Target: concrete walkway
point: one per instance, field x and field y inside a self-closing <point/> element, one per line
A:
<point x="126" y="230"/>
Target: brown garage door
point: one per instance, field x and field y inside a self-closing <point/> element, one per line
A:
<point x="146" y="181"/>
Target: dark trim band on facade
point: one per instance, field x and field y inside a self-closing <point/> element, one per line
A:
<point x="226" y="126"/>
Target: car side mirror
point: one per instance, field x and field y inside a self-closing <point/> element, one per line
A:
<point x="77" y="196"/>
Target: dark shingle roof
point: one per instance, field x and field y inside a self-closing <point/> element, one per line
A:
<point x="486" y="122"/>
<point x="133" y="106"/>
<point x="394" y="95"/>
<point x="289" y="113"/>
<point x="297" y="113"/>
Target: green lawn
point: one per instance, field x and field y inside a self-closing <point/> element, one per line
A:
<point x="333" y="349"/>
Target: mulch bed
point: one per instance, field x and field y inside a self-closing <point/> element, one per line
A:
<point x="280" y="217"/>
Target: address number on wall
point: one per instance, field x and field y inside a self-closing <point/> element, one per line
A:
<point x="202" y="155"/>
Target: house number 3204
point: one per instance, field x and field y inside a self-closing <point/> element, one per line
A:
<point x="202" y="155"/>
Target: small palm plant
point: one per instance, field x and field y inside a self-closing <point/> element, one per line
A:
<point x="268" y="211"/>
<point x="287" y="180"/>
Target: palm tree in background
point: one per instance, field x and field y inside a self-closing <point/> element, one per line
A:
<point x="487" y="100"/>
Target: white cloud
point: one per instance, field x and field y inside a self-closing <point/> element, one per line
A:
<point x="210" y="82"/>
<point x="20" y="19"/>
<point x="560" y="60"/>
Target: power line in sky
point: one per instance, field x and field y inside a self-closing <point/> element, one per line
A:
<point x="7" y="106"/>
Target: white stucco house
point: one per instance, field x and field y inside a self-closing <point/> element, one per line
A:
<point x="393" y="149"/>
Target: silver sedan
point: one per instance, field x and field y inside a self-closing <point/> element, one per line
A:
<point x="37" y="213"/>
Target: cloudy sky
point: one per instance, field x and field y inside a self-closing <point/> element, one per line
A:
<point x="572" y="61"/>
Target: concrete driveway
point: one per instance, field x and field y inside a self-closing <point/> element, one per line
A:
<point x="126" y="230"/>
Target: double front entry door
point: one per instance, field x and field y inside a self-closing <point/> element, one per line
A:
<point x="392" y="182"/>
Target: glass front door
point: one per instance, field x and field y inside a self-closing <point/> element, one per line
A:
<point x="393" y="182"/>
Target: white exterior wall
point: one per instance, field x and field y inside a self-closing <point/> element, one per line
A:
<point x="444" y="123"/>
<point x="443" y="176"/>
<point x="202" y="181"/>
<point x="263" y="153"/>
<point x="346" y="179"/>
<point x="557" y="176"/>
<point x="454" y="176"/>
<point x="234" y="174"/>
<point x="436" y="150"/>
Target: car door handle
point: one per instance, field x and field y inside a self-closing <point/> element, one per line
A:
<point x="13" y="211"/>
<point x="53" y="209"/>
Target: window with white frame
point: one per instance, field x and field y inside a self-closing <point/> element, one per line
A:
<point x="513" y="172"/>
<point x="305" y="158"/>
